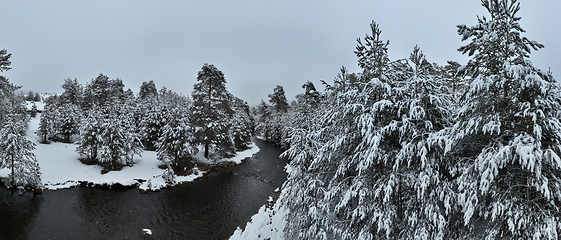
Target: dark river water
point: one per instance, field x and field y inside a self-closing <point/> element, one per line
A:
<point x="209" y="208"/>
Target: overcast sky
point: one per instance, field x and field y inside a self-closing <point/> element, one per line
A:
<point x="256" y="43"/>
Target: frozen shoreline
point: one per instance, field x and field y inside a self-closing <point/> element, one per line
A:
<point x="61" y="168"/>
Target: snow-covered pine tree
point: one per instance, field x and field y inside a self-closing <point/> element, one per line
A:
<point x="116" y="91"/>
<point x="5" y="60"/>
<point x="16" y="153"/>
<point x="372" y="54"/>
<point x="452" y="74"/>
<point x="263" y="113"/>
<point x="30" y="96"/>
<point x="155" y="116"/>
<point x="274" y="117"/>
<point x="175" y="147"/>
<point x="278" y="100"/>
<point x="243" y="125"/>
<point x="406" y="152"/>
<point x="506" y="141"/>
<point x="73" y="92"/>
<point x="148" y="90"/>
<point x="96" y="92"/>
<point x="37" y="97"/>
<point x="68" y="117"/>
<point x="89" y="143"/>
<point x="33" y="111"/>
<point x="6" y="88"/>
<point x="311" y="96"/>
<point x="211" y="112"/>
<point x="46" y="124"/>
<point x="118" y="142"/>
<point x="332" y="188"/>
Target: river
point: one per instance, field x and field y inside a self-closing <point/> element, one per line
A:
<point x="209" y="208"/>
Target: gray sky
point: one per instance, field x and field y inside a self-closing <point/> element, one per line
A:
<point x="256" y="43"/>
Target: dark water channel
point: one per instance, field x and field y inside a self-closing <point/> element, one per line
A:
<point x="210" y="208"/>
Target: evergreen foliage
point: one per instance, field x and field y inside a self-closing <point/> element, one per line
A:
<point x="5" y="60"/>
<point x="73" y="92"/>
<point x="16" y="153"/>
<point x="412" y="150"/>
<point x="505" y="143"/>
<point x="90" y="140"/>
<point x="148" y="90"/>
<point x="278" y="100"/>
<point x="33" y="112"/>
<point x="211" y="111"/>
<point x="175" y="144"/>
<point x="118" y="142"/>
<point x="155" y="116"/>
<point x="372" y="54"/>
<point x="242" y="124"/>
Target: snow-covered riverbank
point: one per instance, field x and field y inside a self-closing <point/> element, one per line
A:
<point x="61" y="168"/>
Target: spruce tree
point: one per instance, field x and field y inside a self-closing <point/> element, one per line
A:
<point x="211" y="111"/>
<point x="506" y="142"/>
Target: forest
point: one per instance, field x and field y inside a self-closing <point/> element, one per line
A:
<point x="404" y="149"/>
<point x="110" y="125"/>
<point x="409" y="149"/>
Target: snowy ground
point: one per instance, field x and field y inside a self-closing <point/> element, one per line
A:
<point x="61" y="168"/>
<point x="268" y="223"/>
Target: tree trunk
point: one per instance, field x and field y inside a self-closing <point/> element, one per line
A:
<point x="206" y="148"/>
<point x="13" y="177"/>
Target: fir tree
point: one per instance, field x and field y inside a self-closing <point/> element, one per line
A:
<point x="211" y="111"/>
<point x="505" y="144"/>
